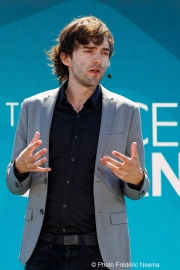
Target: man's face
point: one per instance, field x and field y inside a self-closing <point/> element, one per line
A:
<point x="89" y="63"/>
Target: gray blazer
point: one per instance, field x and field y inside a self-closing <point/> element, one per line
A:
<point x="120" y="126"/>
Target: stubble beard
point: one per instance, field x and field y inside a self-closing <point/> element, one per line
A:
<point x="81" y="76"/>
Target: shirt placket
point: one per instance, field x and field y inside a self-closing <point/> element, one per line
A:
<point x="70" y="172"/>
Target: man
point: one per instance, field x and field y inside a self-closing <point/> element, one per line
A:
<point x="79" y="150"/>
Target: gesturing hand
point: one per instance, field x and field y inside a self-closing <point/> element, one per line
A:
<point x="127" y="169"/>
<point x="29" y="162"/>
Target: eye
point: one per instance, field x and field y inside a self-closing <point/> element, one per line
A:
<point x="105" y="53"/>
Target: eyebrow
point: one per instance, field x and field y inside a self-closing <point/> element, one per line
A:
<point x="94" y="47"/>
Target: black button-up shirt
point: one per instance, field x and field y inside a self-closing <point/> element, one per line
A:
<point x="72" y="153"/>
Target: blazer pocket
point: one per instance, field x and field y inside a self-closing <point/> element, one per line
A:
<point x="118" y="218"/>
<point x="28" y="214"/>
<point x="116" y="136"/>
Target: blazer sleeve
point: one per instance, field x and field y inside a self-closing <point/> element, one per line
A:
<point x="20" y="143"/>
<point x="135" y="135"/>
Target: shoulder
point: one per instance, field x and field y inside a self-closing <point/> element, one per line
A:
<point x="119" y="99"/>
<point x="41" y="96"/>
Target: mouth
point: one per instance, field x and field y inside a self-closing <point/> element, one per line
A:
<point x="95" y="70"/>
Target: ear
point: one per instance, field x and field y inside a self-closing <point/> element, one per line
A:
<point x="65" y="58"/>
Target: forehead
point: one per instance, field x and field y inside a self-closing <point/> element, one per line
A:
<point x="105" y="44"/>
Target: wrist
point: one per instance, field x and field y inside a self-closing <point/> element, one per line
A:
<point x="140" y="178"/>
<point x="17" y="168"/>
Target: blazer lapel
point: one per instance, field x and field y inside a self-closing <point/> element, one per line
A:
<point x="108" y="110"/>
<point x="46" y="118"/>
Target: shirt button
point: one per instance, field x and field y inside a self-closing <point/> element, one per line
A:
<point x="78" y="116"/>
<point x="72" y="159"/>
<point x="64" y="205"/>
<point x="67" y="182"/>
<point x="75" y="137"/>
<point x="64" y="230"/>
<point x="41" y="211"/>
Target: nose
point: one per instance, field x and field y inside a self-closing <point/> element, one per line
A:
<point x="97" y="58"/>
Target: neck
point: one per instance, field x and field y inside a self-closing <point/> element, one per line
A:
<point x="77" y="95"/>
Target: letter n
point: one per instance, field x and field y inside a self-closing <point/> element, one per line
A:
<point x="159" y="165"/>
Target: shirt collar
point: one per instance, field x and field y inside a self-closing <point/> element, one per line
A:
<point x="94" y="98"/>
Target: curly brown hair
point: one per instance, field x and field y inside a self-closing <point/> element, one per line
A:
<point x="79" y="31"/>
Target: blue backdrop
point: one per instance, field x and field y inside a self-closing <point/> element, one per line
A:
<point x="145" y="68"/>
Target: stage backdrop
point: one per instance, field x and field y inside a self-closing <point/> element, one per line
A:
<point x="144" y="68"/>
